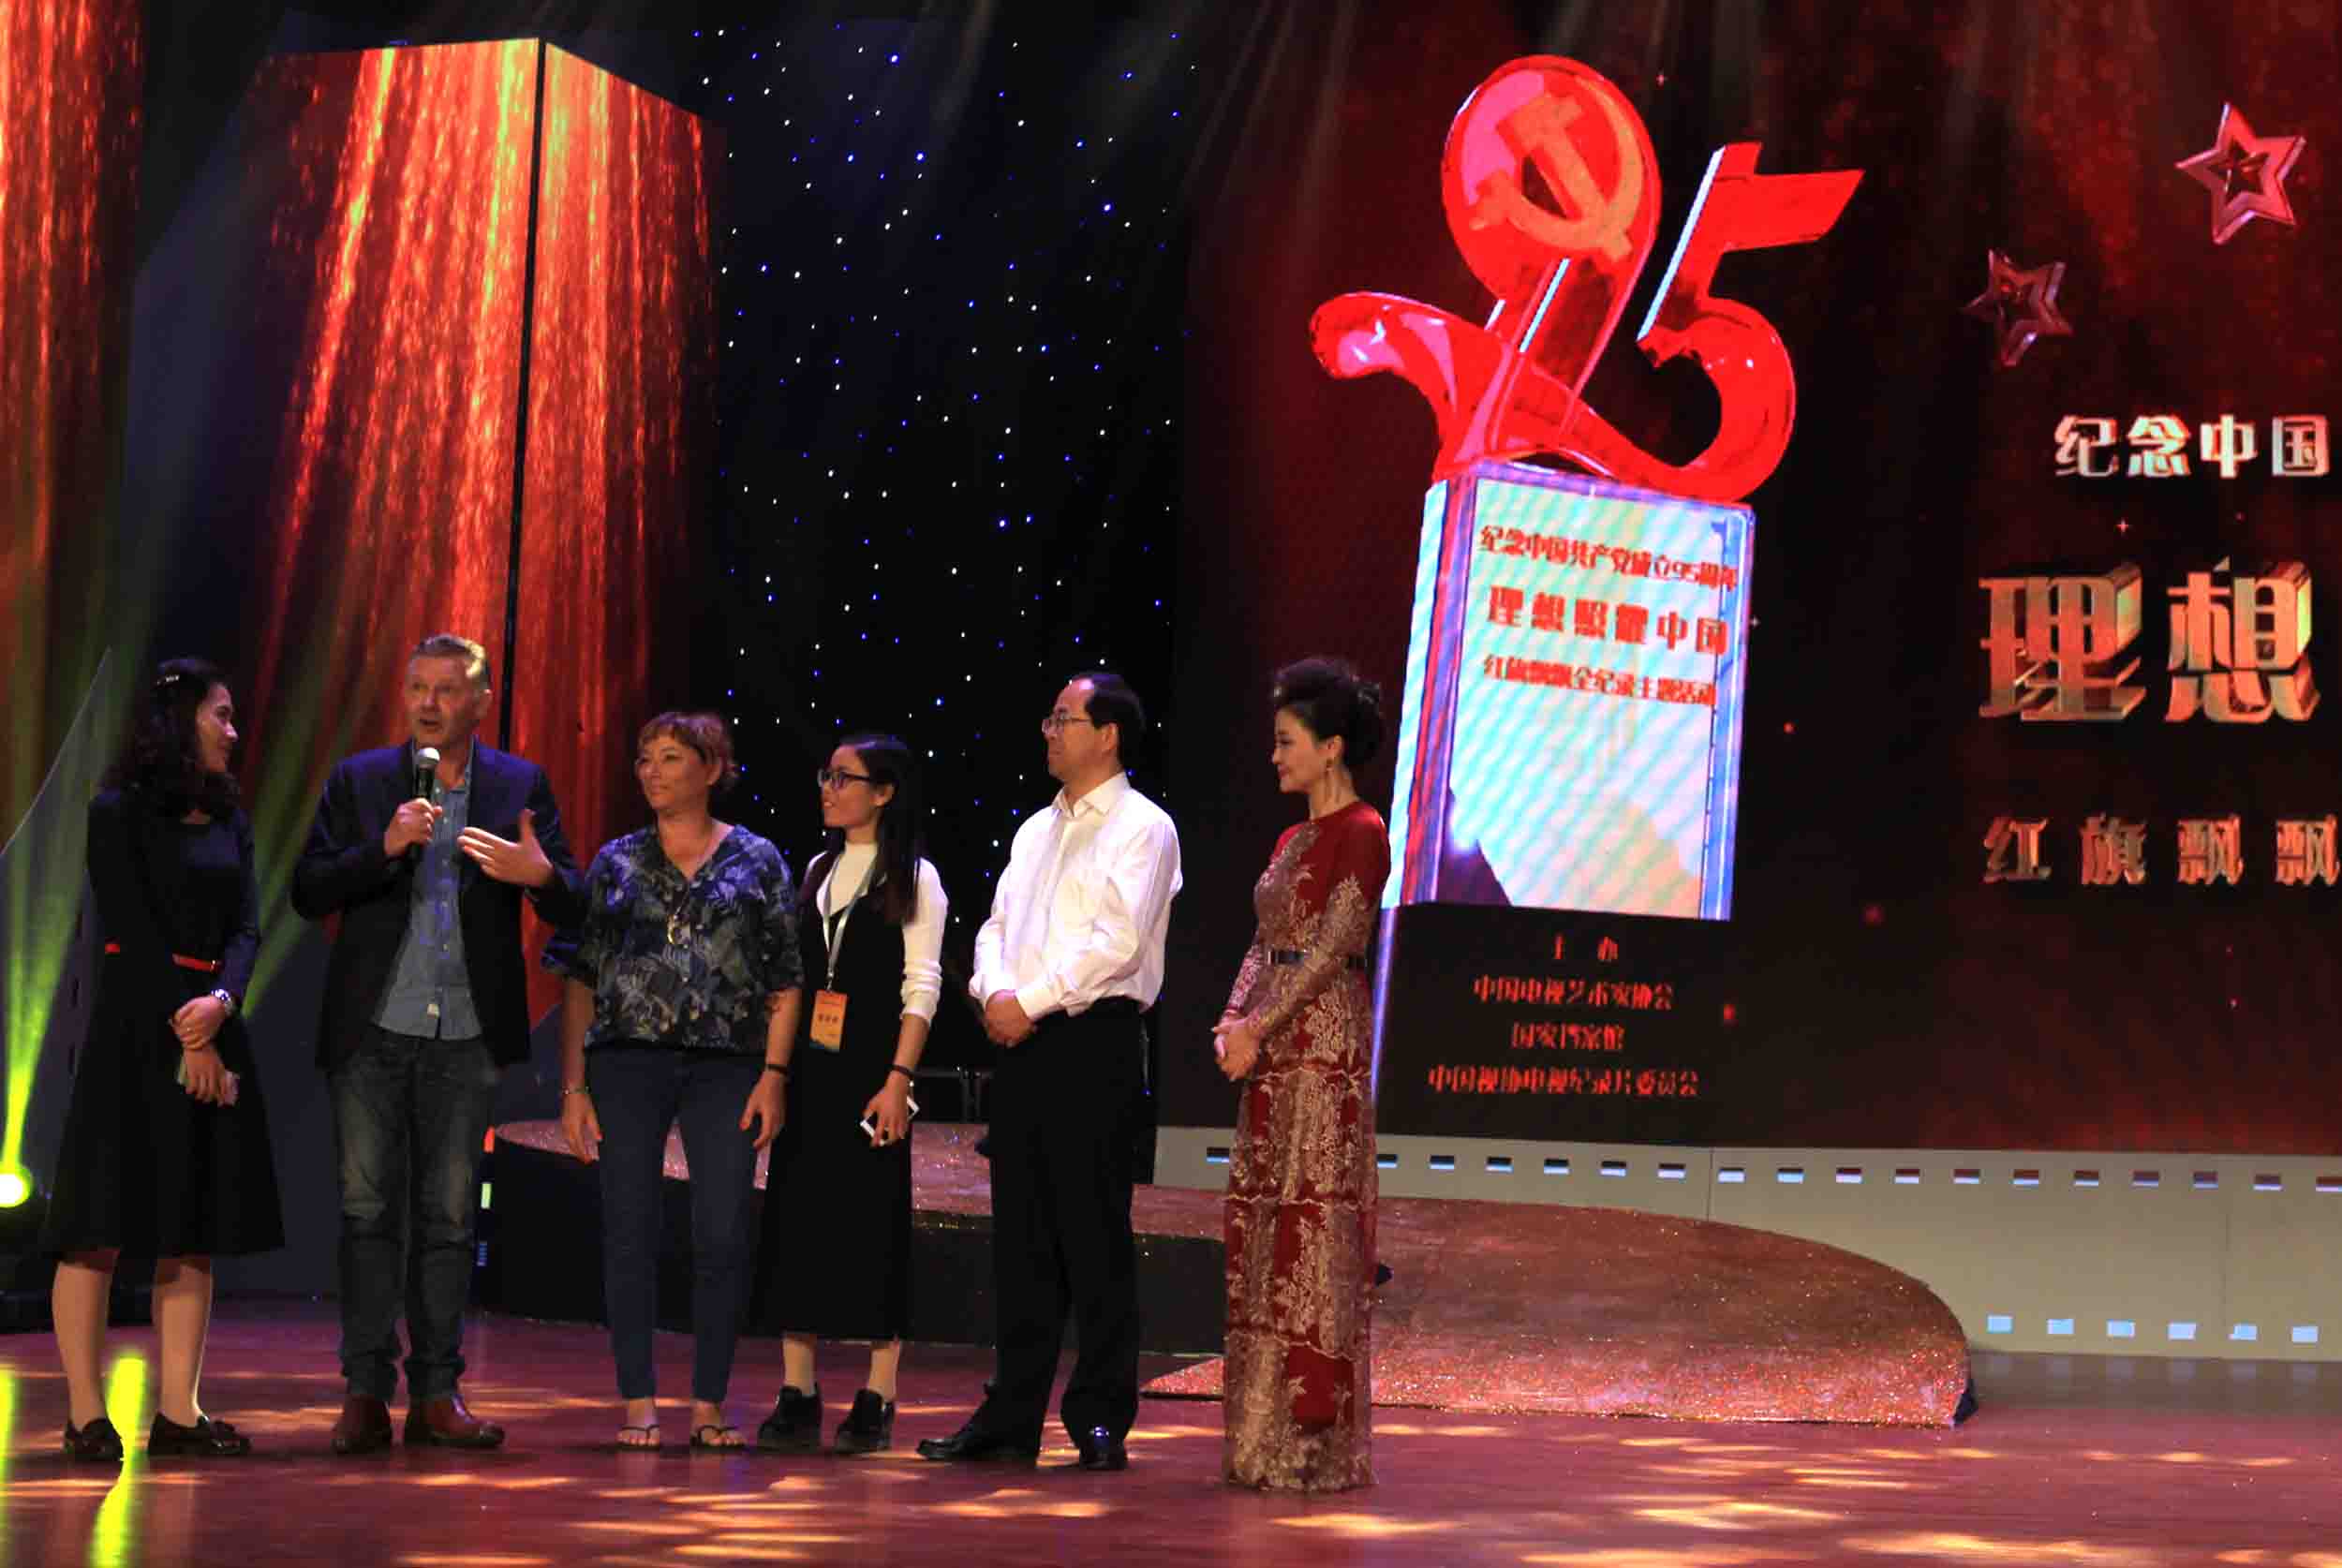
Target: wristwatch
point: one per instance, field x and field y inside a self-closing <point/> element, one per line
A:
<point x="226" y="999"/>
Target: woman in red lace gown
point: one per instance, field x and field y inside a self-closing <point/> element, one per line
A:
<point x="1298" y="1036"/>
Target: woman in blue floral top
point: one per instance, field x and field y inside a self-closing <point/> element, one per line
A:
<point x="681" y="1008"/>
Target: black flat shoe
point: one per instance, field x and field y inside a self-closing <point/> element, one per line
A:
<point x="97" y="1442"/>
<point x="868" y="1427"/>
<point x="795" y="1421"/>
<point x="972" y="1444"/>
<point x="206" y="1439"/>
<point x="1101" y="1450"/>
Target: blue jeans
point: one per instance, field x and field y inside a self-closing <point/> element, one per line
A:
<point x="639" y="1092"/>
<point x="409" y="1117"/>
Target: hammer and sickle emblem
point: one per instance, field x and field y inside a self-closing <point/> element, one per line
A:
<point x="1594" y="222"/>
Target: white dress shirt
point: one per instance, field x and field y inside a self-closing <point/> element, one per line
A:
<point x="1081" y="912"/>
<point x="923" y="933"/>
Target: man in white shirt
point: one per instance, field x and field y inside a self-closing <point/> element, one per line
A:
<point x="1066" y="968"/>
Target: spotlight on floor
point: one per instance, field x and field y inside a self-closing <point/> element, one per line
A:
<point x="22" y="1207"/>
<point x="23" y="1270"/>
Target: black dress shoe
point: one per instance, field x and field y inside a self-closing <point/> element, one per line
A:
<point x="868" y="1426"/>
<point x="97" y="1441"/>
<point x="1101" y="1450"/>
<point x="972" y="1444"/>
<point x="795" y="1421"/>
<point x="206" y="1439"/>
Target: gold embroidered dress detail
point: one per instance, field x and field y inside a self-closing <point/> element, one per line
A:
<point x="1301" y="1182"/>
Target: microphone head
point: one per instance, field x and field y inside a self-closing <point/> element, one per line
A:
<point x="426" y="757"/>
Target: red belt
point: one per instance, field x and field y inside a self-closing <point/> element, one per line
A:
<point x="201" y="966"/>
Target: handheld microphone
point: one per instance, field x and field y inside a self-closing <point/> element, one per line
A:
<point x="427" y="788"/>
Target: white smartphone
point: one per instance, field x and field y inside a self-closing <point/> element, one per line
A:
<point x="871" y="1132"/>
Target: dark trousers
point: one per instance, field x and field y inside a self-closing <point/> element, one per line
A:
<point x="1062" y="1105"/>
<point x="639" y="1092"/>
<point x="410" y="1119"/>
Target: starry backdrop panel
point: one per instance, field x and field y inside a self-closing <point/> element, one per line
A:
<point x="2168" y="257"/>
<point x="952" y="263"/>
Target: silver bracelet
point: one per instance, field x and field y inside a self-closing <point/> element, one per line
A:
<point x="567" y="1089"/>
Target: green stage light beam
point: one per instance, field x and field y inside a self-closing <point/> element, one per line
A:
<point x="43" y="872"/>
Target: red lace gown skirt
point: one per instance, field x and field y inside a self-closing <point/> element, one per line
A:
<point x="1300" y="1247"/>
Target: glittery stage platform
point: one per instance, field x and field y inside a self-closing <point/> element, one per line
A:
<point x="1604" y="1311"/>
<point x="1492" y="1307"/>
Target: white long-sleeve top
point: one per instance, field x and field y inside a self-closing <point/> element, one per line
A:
<point x="923" y="933"/>
<point x="1082" y="911"/>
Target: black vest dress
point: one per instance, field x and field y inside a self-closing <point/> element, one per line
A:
<point x="836" y="1250"/>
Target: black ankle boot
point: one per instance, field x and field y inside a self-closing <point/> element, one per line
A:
<point x="795" y="1421"/>
<point x="869" y="1426"/>
<point x="97" y="1441"/>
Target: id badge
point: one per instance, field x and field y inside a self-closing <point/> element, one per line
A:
<point x="829" y="1019"/>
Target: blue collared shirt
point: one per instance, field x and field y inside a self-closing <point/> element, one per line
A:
<point x="430" y="990"/>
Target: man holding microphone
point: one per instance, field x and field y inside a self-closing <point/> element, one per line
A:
<point x="425" y="850"/>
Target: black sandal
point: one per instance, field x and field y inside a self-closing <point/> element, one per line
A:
<point x="699" y="1441"/>
<point x="649" y="1430"/>
<point x="97" y="1441"/>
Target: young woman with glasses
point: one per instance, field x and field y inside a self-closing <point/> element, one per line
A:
<point x="836" y="1233"/>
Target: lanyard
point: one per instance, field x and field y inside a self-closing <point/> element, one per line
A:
<point x="833" y="922"/>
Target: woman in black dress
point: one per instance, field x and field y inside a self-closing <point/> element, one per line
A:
<point x="165" y="1152"/>
<point x="837" y="1241"/>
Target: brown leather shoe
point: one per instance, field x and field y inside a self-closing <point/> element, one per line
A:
<point x="446" y="1423"/>
<point x="364" y="1426"/>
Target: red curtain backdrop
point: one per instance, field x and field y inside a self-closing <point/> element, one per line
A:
<point x="394" y="186"/>
<point x="398" y="246"/>
<point x="69" y="131"/>
<point x="620" y="417"/>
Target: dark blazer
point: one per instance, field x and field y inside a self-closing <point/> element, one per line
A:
<point x="343" y="871"/>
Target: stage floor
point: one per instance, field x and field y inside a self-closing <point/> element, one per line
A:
<point x="1517" y="1308"/>
<point x="2079" y="1460"/>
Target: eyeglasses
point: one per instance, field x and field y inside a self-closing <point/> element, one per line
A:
<point x="838" y="778"/>
<point x="1055" y="722"/>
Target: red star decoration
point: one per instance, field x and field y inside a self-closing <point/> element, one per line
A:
<point x="2245" y="173"/>
<point x="2021" y="302"/>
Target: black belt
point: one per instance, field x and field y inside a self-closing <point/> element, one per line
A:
<point x="1104" y="1007"/>
<point x="201" y="966"/>
<point x="1295" y="956"/>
